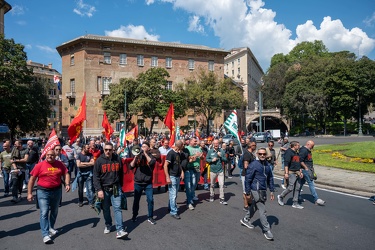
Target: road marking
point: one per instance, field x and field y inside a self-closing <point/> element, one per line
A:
<point x="333" y="191"/>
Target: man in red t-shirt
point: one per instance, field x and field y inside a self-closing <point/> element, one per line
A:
<point x="94" y="150"/>
<point x="48" y="173"/>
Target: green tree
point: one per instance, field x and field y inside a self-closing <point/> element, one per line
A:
<point x="114" y="103"/>
<point x="153" y="98"/>
<point x="208" y="95"/>
<point x="24" y="103"/>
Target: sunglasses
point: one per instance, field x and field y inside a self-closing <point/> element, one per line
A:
<point x="108" y="149"/>
<point x="262" y="154"/>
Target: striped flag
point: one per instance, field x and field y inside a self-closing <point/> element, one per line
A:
<point x="177" y="132"/>
<point x="231" y="124"/>
<point x="122" y="137"/>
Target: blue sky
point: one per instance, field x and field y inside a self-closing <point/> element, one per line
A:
<point x="267" y="27"/>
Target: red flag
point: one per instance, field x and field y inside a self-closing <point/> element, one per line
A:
<point x="132" y="134"/>
<point x="169" y="122"/>
<point x="107" y="127"/>
<point x="75" y="126"/>
<point x="51" y="143"/>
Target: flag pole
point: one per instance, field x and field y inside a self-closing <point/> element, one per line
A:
<point x="125" y="110"/>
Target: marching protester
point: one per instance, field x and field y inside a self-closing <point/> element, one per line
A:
<point x="144" y="164"/>
<point x="108" y="181"/>
<point x="173" y="168"/>
<point x="49" y="191"/>
<point x="258" y="178"/>
<point x="6" y="165"/>
<point x="85" y="164"/>
<point x="247" y="158"/>
<point x="216" y="157"/>
<point x="19" y="158"/>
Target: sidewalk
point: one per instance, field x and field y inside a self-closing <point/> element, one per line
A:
<point x="352" y="182"/>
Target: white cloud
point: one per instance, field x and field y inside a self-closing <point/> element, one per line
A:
<point x="84" y="9"/>
<point x="28" y="46"/>
<point x="149" y="2"/>
<point x="194" y="25"/>
<point x="131" y="31"/>
<point x="46" y="48"/>
<point x="248" y="24"/>
<point x="370" y="20"/>
<point x="21" y="22"/>
<point x="17" y="10"/>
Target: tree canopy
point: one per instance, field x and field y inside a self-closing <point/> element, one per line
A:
<point x="24" y="102"/>
<point x="325" y="87"/>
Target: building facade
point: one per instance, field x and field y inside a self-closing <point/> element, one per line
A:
<point x="45" y="73"/>
<point x="4" y="8"/>
<point x="242" y="66"/>
<point x="91" y="63"/>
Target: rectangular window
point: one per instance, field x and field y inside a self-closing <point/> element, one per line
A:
<point x="52" y="92"/>
<point x="72" y="85"/>
<point x="238" y="60"/>
<point x="53" y="102"/>
<point x="211" y="65"/>
<point x="232" y="72"/>
<point x="118" y="126"/>
<point x="239" y="71"/>
<point x="122" y="60"/>
<point x="72" y="59"/>
<point x="169" y="85"/>
<point x="140" y="60"/>
<point x="191" y="64"/>
<point x="107" y="57"/>
<point x="53" y="114"/>
<point x="168" y="62"/>
<point x="232" y="64"/>
<point x="154" y="61"/>
<point x="106" y="82"/>
<point x="98" y="83"/>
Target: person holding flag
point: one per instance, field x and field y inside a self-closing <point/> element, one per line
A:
<point x="108" y="130"/>
<point x="170" y="123"/>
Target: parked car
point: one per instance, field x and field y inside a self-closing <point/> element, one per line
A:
<point x="262" y="137"/>
<point x="229" y="137"/>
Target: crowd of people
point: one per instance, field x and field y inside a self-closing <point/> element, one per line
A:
<point x="98" y="165"/>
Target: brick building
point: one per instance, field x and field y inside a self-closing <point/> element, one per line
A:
<point x="45" y="74"/>
<point x="91" y="62"/>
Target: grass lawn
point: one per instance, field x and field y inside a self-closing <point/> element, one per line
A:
<point x="357" y="156"/>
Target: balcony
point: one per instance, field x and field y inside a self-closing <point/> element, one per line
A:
<point x="70" y="95"/>
<point x="105" y="92"/>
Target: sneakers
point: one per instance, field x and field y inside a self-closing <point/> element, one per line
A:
<point x="268" y="235"/>
<point x="206" y="187"/>
<point x="107" y="229"/>
<point x="24" y="187"/>
<point x="191" y="207"/>
<point x="80" y="204"/>
<point x="283" y="186"/>
<point x="280" y="200"/>
<point x="1" y="175"/>
<point x="14" y="199"/>
<point x="134" y="219"/>
<point x="245" y="209"/>
<point x="47" y="240"/>
<point x="6" y="194"/>
<point x="176" y="216"/>
<point x="152" y="221"/>
<point x="52" y="232"/>
<point x="296" y="205"/>
<point x="246" y="223"/>
<point x="320" y="202"/>
<point x="84" y="190"/>
<point x="223" y="202"/>
<point x="230" y="176"/>
<point x="121" y="234"/>
<point x="211" y="199"/>
<point x="195" y="198"/>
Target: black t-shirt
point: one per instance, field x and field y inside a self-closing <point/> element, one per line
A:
<point x="174" y="160"/>
<point x="85" y="158"/>
<point x="249" y="157"/>
<point x="306" y="157"/>
<point x="33" y="155"/>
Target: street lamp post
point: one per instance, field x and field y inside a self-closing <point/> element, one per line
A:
<point x="125" y="110"/>
<point x="260" y="111"/>
<point x="360" y="133"/>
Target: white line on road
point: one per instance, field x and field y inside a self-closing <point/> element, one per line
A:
<point x="333" y="191"/>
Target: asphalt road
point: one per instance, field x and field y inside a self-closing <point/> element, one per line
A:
<point x="346" y="222"/>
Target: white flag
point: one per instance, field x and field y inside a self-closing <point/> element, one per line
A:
<point x="231" y="124"/>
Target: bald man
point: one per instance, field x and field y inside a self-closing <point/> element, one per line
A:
<point x="307" y="167"/>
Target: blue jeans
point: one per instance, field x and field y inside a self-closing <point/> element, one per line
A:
<point x="29" y="168"/>
<point x="48" y="201"/>
<point x="191" y="179"/>
<point x="173" y="191"/>
<point x="85" y="177"/>
<point x="109" y="199"/>
<point x="6" y="181"/>
<point x="138" y="189"/>
<point x="72" y="167"/>
<point x="306" y="178"/>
